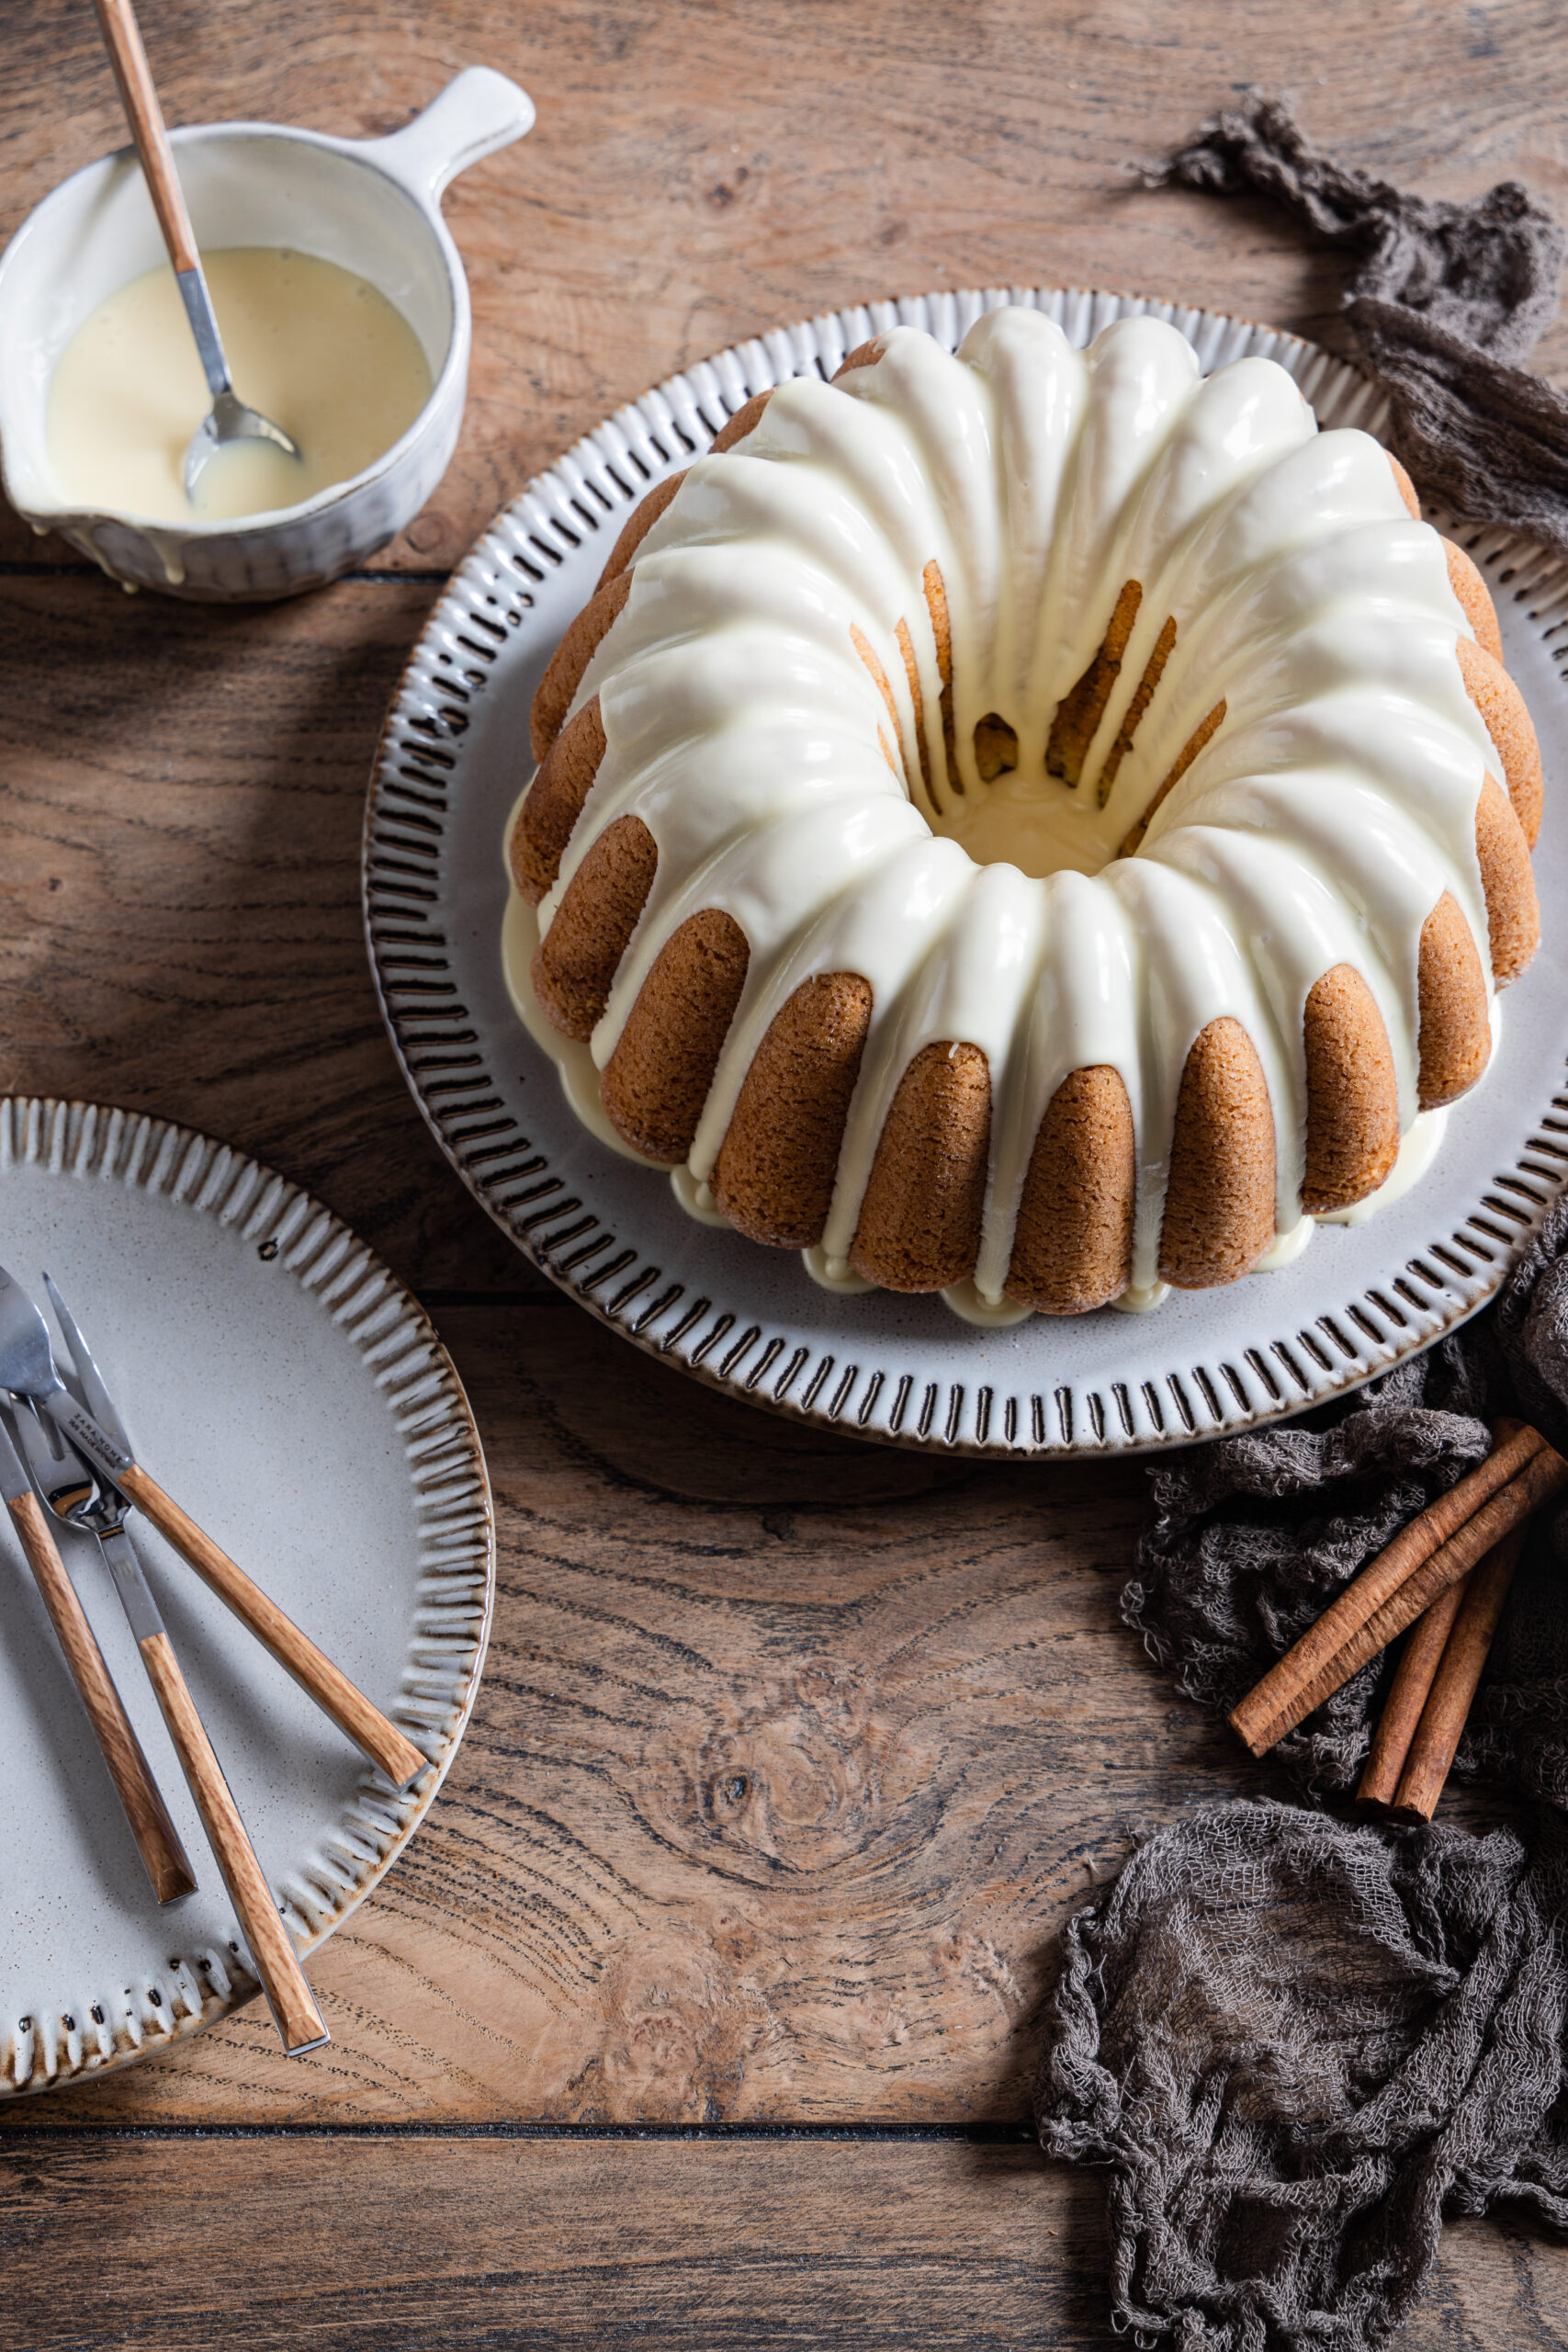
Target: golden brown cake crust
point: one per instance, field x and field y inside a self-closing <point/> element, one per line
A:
<point x="1404" y="486"/>
<point x="1219" y="1201"/>
<point x="1352" y="1140"/>
<point x="1512" y="730"/>
<point x="936" y="588"/>
<point x="920" y="1221"/>
<point x="1475" y="600"/>
<point x="1456" y="1036"/>
<point x="546" y="818"/>
<point x="865" y="355"/>
<point x="1206" y="728"/>
<point x="581" y="953"/>
<point x="557" y="688"/>
<point x="911" y="671"/>
<point x="641" y="521"/>
<point x="996" y="747"/>
<point x="744" y="420"/>
<point x="777" y="1167"/>
<point x="868" y="654"/>
<point x="1165" y="645"/>
<point x="656" y="1080"/>
<point x="936" y="604"/>
<point x="1073" y="1243"/>
<point x="1513" y="909"/>
<point x="1082" y="708"/>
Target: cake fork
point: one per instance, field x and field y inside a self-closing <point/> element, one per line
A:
<point x="79" y="1498"/>
<point x="28" y="1368"/>
<point x="157" y="1839"/>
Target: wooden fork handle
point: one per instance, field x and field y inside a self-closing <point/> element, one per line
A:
<point x="283" y="1980"/>
<point x="139" y="95"/>
<point x="332" y="1692"/>
<point x="157" y="1840"/>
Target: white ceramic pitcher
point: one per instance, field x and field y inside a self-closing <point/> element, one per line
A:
<point x="371" y="205"/>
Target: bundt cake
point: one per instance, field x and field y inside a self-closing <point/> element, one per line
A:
<point x="1038" y="816"/>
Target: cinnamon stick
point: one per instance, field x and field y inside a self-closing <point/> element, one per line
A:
<point x="1442" y="1545"/>
<point x="1453" y="1686"/>
<point x="1408" y="1696"/>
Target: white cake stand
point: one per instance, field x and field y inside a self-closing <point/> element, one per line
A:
<point x="454" y="758"/>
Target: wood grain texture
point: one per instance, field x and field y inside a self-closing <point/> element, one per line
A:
<point x="353" y="1713"/>
<point x="181" y="808"/>
<point x="147" y="1817"/>
<point x="792" y="1753"/>
<point x="288" y="1995"/>
<point x="381" y="2245"/>
<point x="700" y="172"/>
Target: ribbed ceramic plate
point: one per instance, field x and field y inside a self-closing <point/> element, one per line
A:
<point x="288" y="1391"/>
<point x="453" y="761"/>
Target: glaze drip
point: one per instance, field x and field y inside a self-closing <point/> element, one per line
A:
<point x="1167" y="613"/>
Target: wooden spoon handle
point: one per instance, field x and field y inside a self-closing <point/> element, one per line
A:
<point x="332" y="1692"/>
<point x="157" y="1840"/>
<point x="283" y="1980"/>
<point x="123" y="37"/>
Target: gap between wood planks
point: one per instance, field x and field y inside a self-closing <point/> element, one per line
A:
<point x="22" y="571"/>
<point x="974" y="2135"/>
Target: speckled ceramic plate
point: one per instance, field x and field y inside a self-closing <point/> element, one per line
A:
<point x="294" y="1398"/>
<point x="453" y="761"/>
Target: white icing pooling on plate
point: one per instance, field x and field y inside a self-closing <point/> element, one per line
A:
<point x="695" y="1198"/>
<point x="989" y="1314"/>
<point x="833" y="1273"/>
<point x="1286" y="1247"/>
<point x="1142" y="1298"/>
<point x="1419" y="1148"/>
<point x="1320" y="823"/>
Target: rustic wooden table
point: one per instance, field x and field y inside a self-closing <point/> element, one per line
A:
<point x="705" y="2005"/>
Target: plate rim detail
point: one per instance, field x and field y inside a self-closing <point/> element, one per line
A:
<point x="456" y="1519"/>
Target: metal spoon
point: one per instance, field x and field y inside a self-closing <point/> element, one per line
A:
<point x="228" y="418"/>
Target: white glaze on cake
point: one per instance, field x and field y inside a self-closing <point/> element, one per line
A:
<point x="1331" y="810"/>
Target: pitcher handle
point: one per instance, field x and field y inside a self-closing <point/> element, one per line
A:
<point x="474" y="115"/>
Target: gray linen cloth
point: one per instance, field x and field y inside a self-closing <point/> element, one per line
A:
<point x="1297" y="2041"/>
<point x="1449" y="301"/>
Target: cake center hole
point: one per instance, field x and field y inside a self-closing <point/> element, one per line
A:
<point x="1032" y="821"/>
